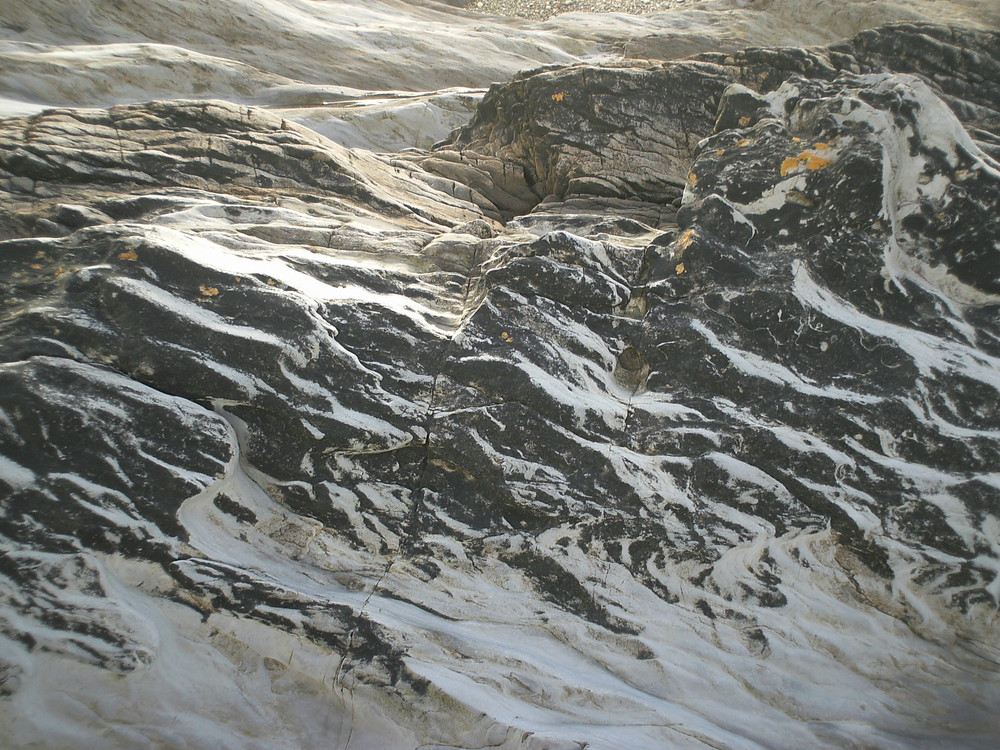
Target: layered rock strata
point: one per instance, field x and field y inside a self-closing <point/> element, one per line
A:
<point x="657" y="408"/>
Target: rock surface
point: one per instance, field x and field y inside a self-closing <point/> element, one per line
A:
<point x="371" y="73"/>
<point x="655" y="408"/>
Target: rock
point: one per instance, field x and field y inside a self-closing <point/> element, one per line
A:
<point x="630" y="130"/>
<point x="656" y="381"/>
<point x="609" y="128"/>
<point x="196" y="146"/>
<point x="76" y="217"/>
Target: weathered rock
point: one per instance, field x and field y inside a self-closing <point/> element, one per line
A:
<point x="629" y="130"/>
<point x="54" y="156"/>
<point x="622" y="131"/>
<point x="708" y="430"/>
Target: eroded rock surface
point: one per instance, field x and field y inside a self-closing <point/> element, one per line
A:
<point x="656" y="409"/>
<point x="630" y="129"/>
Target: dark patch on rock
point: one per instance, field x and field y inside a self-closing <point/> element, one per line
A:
<point x="241" y="513"/>
<point x="562" y="588"/>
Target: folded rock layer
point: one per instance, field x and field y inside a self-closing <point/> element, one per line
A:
<point x="657" y="408"/>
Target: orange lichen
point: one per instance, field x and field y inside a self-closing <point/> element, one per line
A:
<point x="814" y="161"/>
<point x="744" y="121"/>
<point x="821" y="146"/>
<point x="692" y="178"/>
<point x="559" y="96"/>
<point x="720" y="151"/>
<point x="806" y="159"/>
<point x="128" y="255"/>
<point x="743" y="142"/>
<point x="792" y="162"/>
<point x="37" y="266"/>
<point x="685" y="240"/>
<point x="679" y="269"/>
<point x="208" y="291"/>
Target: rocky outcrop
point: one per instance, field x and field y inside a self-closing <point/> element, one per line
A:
<point x="630" y="130"/>
<point x="655" y="409"/>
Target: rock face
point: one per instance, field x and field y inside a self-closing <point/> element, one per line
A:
<point x="631" y="129"/>
<point x="358" y="71"/>
<point x="656" y="408"/>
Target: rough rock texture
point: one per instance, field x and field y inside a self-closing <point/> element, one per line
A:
<point x="373" y="73"/>
<point x="659" y="408"/>
<point x="630" y="130"/>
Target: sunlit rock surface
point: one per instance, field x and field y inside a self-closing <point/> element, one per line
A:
<point x="655" y="408"/>
<point x="380" y="74"/>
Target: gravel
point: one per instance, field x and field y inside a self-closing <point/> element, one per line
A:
<point x="541" y="10"/>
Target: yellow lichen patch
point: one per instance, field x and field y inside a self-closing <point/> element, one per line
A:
<point x="679" y="269"/>
<point x="506" y="337"/>
<point x="559" y="96"/>
<point x="37" y="266"/>
<point x="796" y="139"/>
<point x="720" y="151"/>
<point x="692" y="178"/>
<point x="792" y="162"/>
<point x="237" y="279"/>
<point x="685" y="240"/>
<point x="744" y="121"/>
<point x="128" y="255"/>
<point x="60" y="271"/>
<point x="961" y="174"/>
<point x="821" y="146"/>
<point x="743" y="142"/>
<point x="271" y="282"/>
<point x="207" y="291"/>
